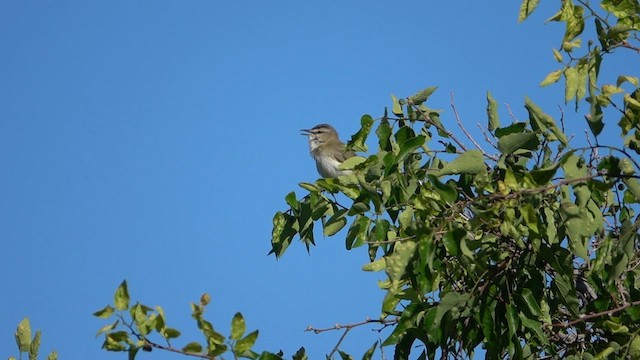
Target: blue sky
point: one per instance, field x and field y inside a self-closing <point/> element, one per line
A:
<point x="154" y="140"/>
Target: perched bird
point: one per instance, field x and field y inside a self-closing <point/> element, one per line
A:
<point x="327" y="150"/>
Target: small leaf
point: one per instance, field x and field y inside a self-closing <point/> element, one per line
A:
<point x="470" y="162"/>
<point x="397" y="108"/>
<point x="423" y="95"/>
<point x="625" y="78"/>
<point x="571" y="83"/>
<point x="531" y="302"/>
<point x="107" y="328"/>
<point x="357" y="141"/>
<point x="351" y="162"/>
<point x="492" y="112"/>
<point x="367" y="355"/>
<point x="238" y="326"/>
<point x="23" y="335"/>
<point x="246" y="343"/>
<point x="552" y="78"/>
<point x="526" y="8"/>
<point x="309" y="187"/>
<point x="410" y="145"/>
<point x="335" y="223"/>
<point x="192" y="347"/>
<point x="377" y="265"/>
<point x="170" y="333"/>
<point x="397" y="262"/>
<point x="121" y="297"/>
<point x="291" y="200"/>
<point x="35" y="346"/>
<point x="104" y="313"/>
<point x="557" y="55"/>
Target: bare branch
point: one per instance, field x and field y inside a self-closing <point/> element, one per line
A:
<point x="457" y="117"/>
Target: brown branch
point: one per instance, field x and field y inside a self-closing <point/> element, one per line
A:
<point x="625" y="44"/>
<point x="457" y="117"/>
<point x="385" y="322"/>
<point x="587" y="317"/>
<point x="349" y="327"/>
<point x="172" y="349"/>
<point x="148" y="343"/>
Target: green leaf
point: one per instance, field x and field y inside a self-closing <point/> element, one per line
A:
<point x="625" y="78"/>
<point x="309" y="187"/>
<point x="170" y="333"/>
<point x="397" y="108"/>
<point x="344" y="355"/>
<point x="335" y="223"/>
<point x="397" y="262"/>
<point x="526" y="8"/>
<point x="104" y="313"/>
<point x="542" y="121"/>
<point x="452" y="240"/>
<point x="23" y="335"/>
<point x="574" y="222"/>
<point x="35" y="346"/>
<point x="291" y="200"/>
<point x="552" y="78"/>
<point x="107" y="328"/>
<point x="351" y="163"/>
<point x="469" y="162"/>
<point x="531" y="302"/>
<point x="301" y="354"/>
<point x="369" y="354"/>
<point x="634" y="347"/>
<point x="410" y="145"/>
<point x="535" y="326"/>
<point x="492" y="112"/>
<point x="192" y="347"/>
<point x="357" y="142"/>
<point x="512" y="320"/>
<point x="377" y="265"/>
<point x="246" y="343"/>
<point x="423" y="95"/>
<point x="571" y="83"/>
<point x="121" y="297"/>
<point x="238" y="327"/>
<point x="557" y="55"/>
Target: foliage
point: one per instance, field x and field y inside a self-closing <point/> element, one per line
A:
<point x="135" y="325"/>
<point x="27" y="344"/>
<point x="529" y="252"/>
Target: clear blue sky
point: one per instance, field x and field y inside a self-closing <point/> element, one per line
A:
<point x="154" y="140"/>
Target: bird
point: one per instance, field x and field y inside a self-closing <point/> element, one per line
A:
<point x="327" y="150"/>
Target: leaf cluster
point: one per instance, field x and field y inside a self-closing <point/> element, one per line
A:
<point x="136" y="325"/>
<point x="532" y="251"/>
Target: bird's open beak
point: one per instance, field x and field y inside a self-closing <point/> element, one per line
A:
<point x="305" y="132"/>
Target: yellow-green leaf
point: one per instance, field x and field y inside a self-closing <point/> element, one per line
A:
<point x="121" y="297"/>
<point x="23" y="335"/>
<point x="470" y="162"/>
<point x="492" y="112"/>
<point x="551" y="78"/>
<point x="238" y="326"/>
<point x="526" y="8"/>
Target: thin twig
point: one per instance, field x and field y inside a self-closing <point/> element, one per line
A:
<point x="513" y="116"/>
<point x="587" y="317"/>
<point x="152" y="344"/>
<point x="486" y="137"/>
<point x="426" y="118"/>
<point x="457" y="117"/>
